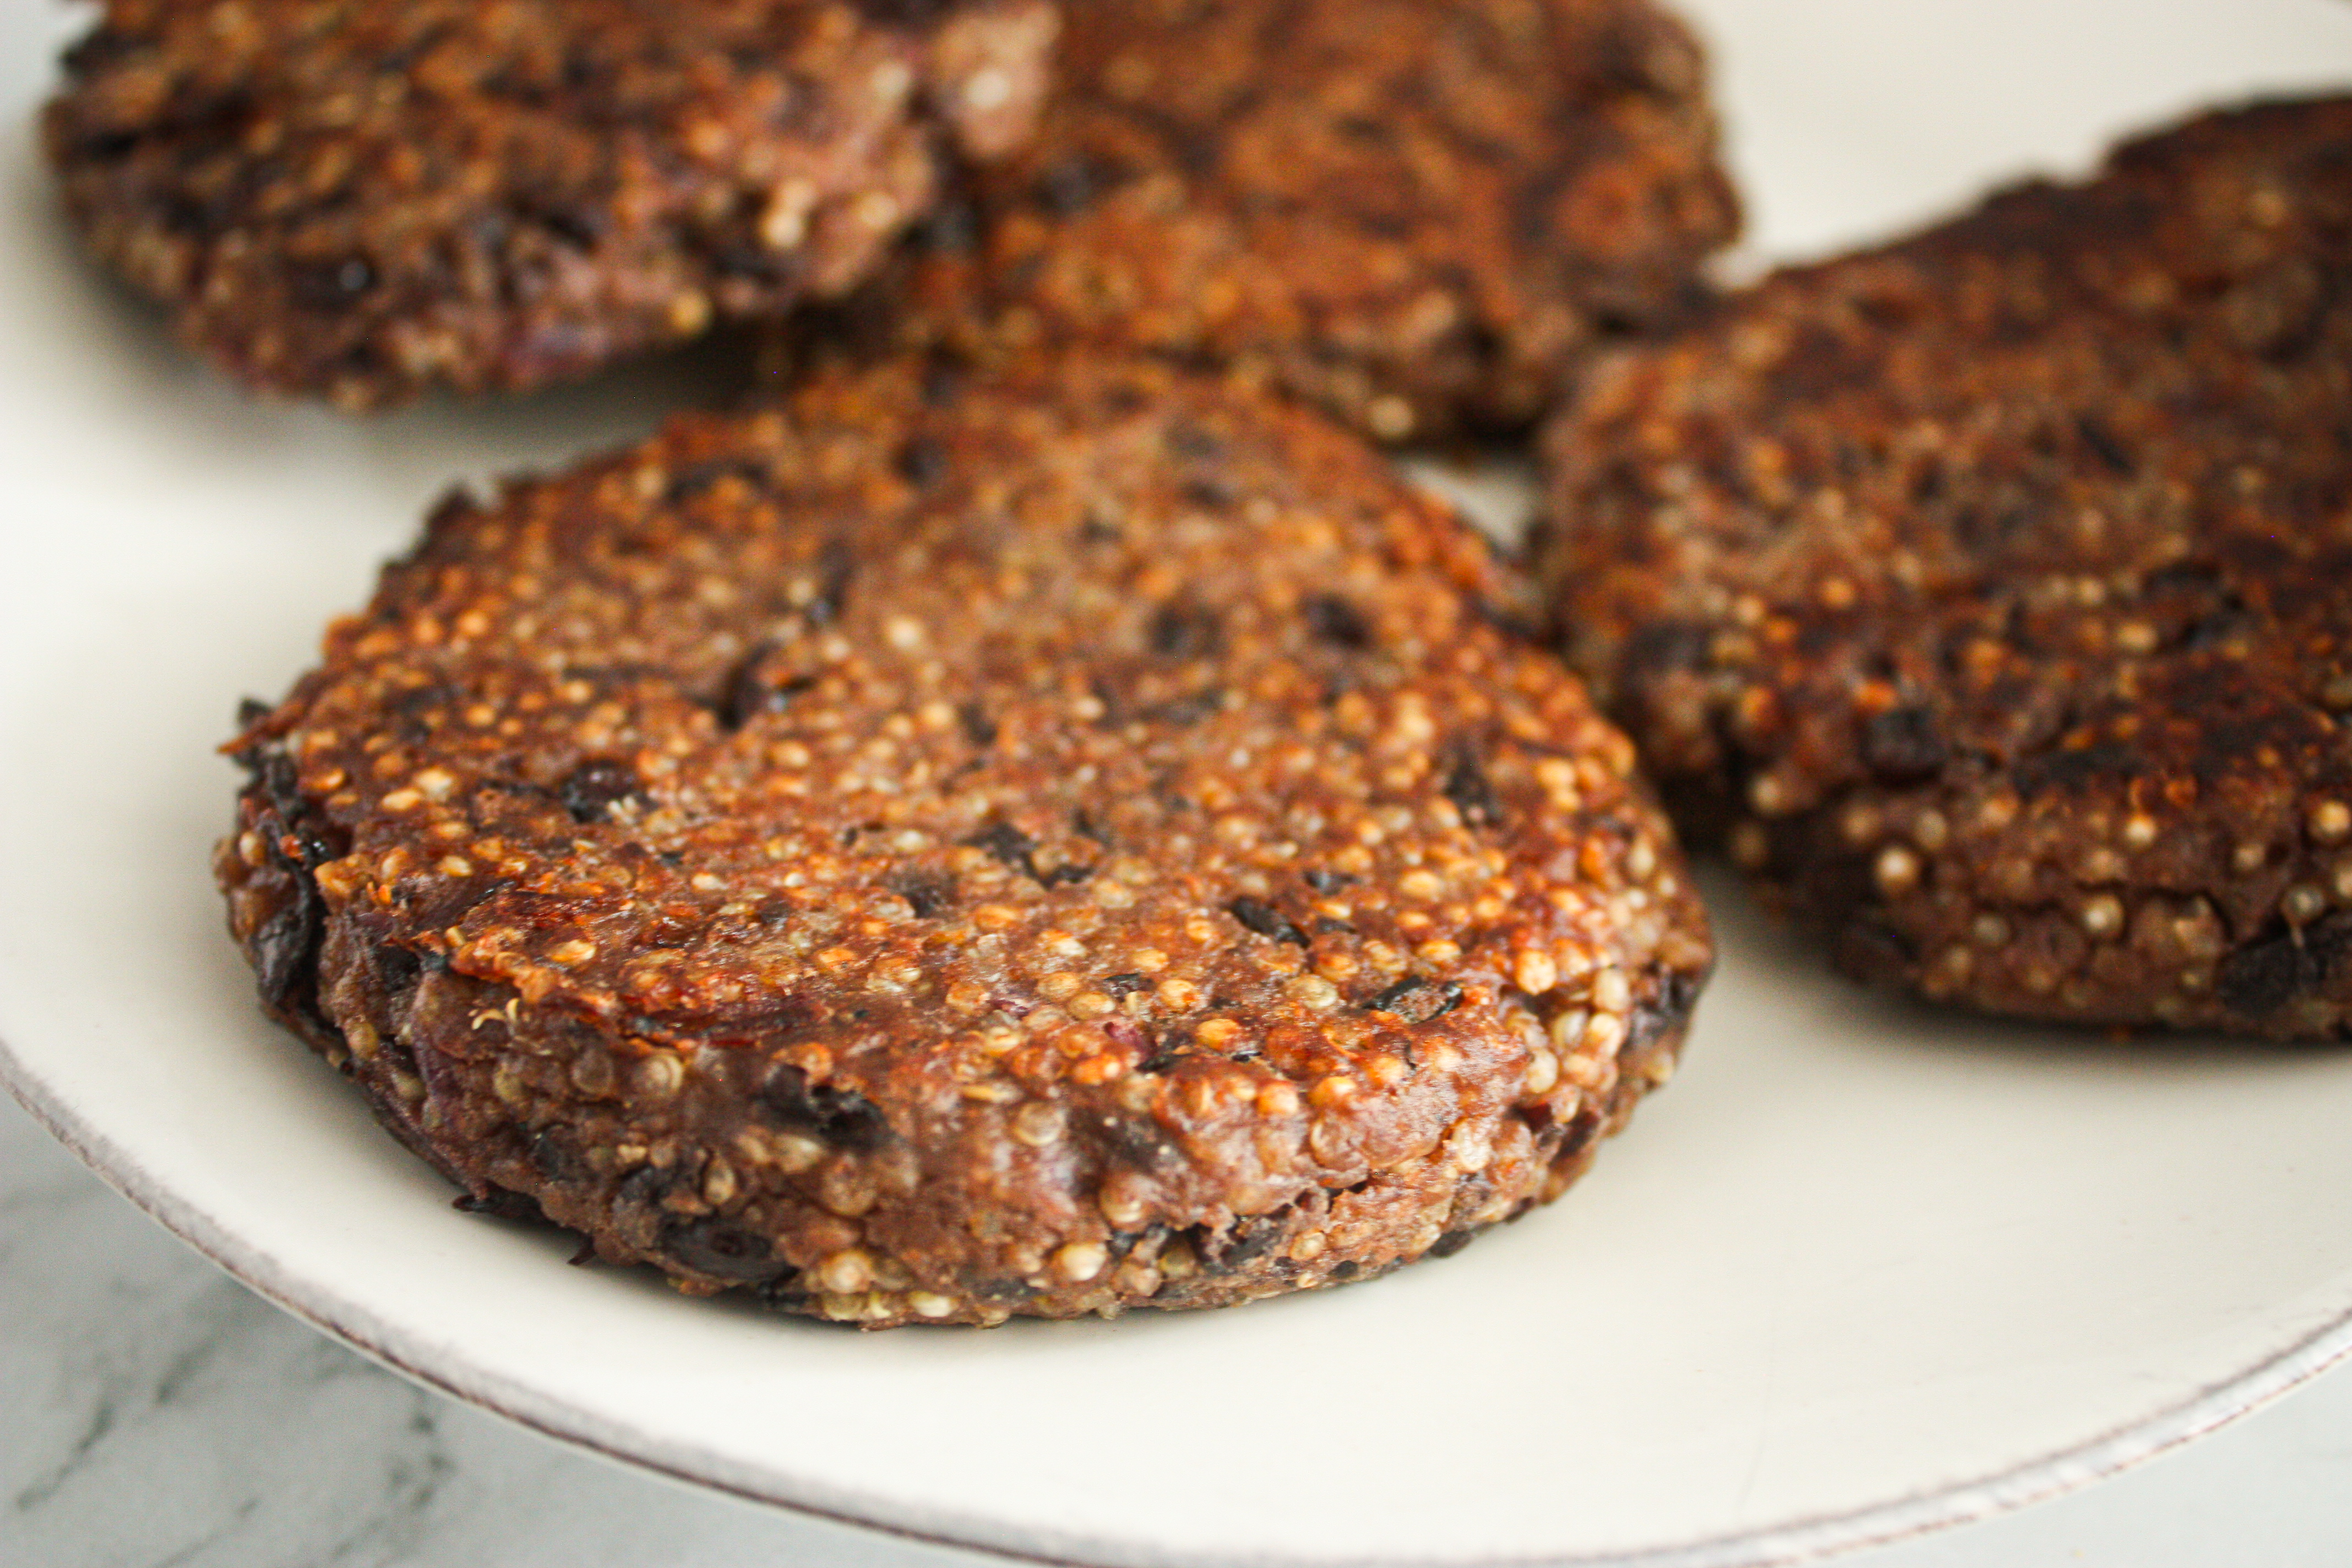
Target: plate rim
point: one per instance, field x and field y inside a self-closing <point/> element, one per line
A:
<point x="451" y="1370"/>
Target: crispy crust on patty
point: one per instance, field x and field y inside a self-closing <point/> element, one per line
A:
<point x="362" y="201"/>
<point x="950" y="848"/>
<point x="1993" y="590"/>
<point x="1408" y="211"/>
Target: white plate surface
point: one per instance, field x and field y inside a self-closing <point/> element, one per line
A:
<point x="1863" y="1270"/>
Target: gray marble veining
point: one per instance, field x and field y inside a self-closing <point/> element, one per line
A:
<point x="160" y="1414"/>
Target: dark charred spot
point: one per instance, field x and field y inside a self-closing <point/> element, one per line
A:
<point x="1266" y="921"/>
<point x="1668" y="646"/>
<point x="2103" y="446"/>
<point x="2227" y="622"/>
<point x="330" y="285"/>
<point x="721" y="1249"/>
<point x="908" y="14"/>
<point x="1126" y="984"/>
<point x="554" y="1158"/>
<point x="1669" y="1011"/>
<point x="1187" y="439"/>
<point x="107" y="146"/>
<point x="1903" y="745"/>
<point x="580" y="225"/>
<point x="951" y="230"/>
<point x="695" y="478"/>
<point x="644" y="1187"/>
<point x="926" y="893"/>
<point x="1196" y="151"/>
<point x="1189" y="709"/>
<point x="751" y="690"/>
<point x="1452" y="1242"/>
<point x="785" y="1293"/>
<point x="840" y="1117"/>
<point x="978" y="727"/>
<point x="922" y="462"/>
<point x="836" y="564"/>
<point x="1245" y="1241"/>
<point x="1251" y="1239"/>
<point x="1580" y="1134"/>
<point x="252" y="710"/>
<point x="1417" y="1001"/>
<point x="1184" y="631"/>
<point x="1011" y="848"/>
<point x="286" y="947"/>
<point x="1135" y="1144"/>
<point x="942" y="385"/>
<point x="1212" y="490"/>
<point x="1336" y="621"/>
<point x="2069" y="765"/>
<point x="100" y="48"/>
<point x="2284" y="966"/>
<point x="1083" y="823"/>
<point x="499" y="1203"/>
<point x="1007" y="845"/>
<point x="1074" y="182"/>
<point x="398" y="969"/>
<point x="1329" y="882"/>
<point x="591" y="790"/>
<point x="1871" y="951"/>
<point x="1467" y="786"/>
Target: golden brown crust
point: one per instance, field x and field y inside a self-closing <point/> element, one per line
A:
<point x="1408" y="211"/>
<point x="952" y="847"/>
<point x="1991" y="588"/>
<point x="362" y="201"/>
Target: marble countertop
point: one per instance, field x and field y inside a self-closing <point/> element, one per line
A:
<point x="161" y="1415"/>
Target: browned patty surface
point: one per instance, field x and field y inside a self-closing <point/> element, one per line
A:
<point x="1410" y="211"/>
<point x="364" y="200"/>
<point x="950" y="848"/>
<point x="1994" y="589"/>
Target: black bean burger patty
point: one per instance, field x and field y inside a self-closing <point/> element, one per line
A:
<point x="1992" y="591"/>
<point x="360" y="201"/>
<point x="1051" y="842"/>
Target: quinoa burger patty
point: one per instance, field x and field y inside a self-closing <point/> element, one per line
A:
<point x="1408" y="211"/>
<point x="1993" y="590"/>
<point x="364" y="200"/>
<point x="1068" y="839"/>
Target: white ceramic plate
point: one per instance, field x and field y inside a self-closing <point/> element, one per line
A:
<point x="1863" y="1271"/>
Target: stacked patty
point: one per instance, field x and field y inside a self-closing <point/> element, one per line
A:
<point x="362" y="201"/>
<point x="1990" y="590"/>
<point x="1068" y="839"/>
<point x="1411" y="212"/>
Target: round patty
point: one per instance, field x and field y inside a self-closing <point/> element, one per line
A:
<point x="1408" y="211"/>
<point x="953" y="847"/>
<point x="360" y="201"/>
<point x="1994" y="590"/>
